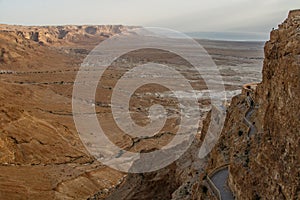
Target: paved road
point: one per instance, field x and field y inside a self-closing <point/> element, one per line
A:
<point x="220" y="181"/>
<point x="247" y="120"/>
<point x="220" y="178"/>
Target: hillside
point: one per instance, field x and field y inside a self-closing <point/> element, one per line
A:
<point x="41" y="155"/>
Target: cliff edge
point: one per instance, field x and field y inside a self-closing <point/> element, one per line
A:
<point x="261" y="137"/>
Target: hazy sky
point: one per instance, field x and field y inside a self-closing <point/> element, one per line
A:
<point x="181" y="15"/>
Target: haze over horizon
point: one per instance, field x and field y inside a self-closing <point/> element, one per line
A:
<point x="235" y="16"/>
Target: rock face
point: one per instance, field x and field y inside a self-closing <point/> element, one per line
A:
<point x="272" y="165"/>
<point x="263" y="153"/>
<point x="264" y="163"/>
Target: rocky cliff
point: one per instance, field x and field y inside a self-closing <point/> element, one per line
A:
<point x="260" y="141"/>
<point x="269" y="164"/>
<point x="261" y="137"/>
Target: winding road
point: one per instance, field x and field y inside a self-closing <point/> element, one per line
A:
<point x="219" y="179"/>
<point x="252" y="128"/>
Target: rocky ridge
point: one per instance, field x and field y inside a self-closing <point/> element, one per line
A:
<point x="23" y="42"/>
<point x="54" y="35"/>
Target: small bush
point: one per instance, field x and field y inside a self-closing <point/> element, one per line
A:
<point x="240" y="132"/>
<point x="204" y="189"/>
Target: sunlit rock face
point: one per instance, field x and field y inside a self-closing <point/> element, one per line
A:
<point x="265" y="164"/>
<point x="274" y="153"/>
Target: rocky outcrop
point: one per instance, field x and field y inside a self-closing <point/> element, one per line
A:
<point x="274" y="152"/>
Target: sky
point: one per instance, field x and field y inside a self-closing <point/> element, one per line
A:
<point x="257" y="16"/>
